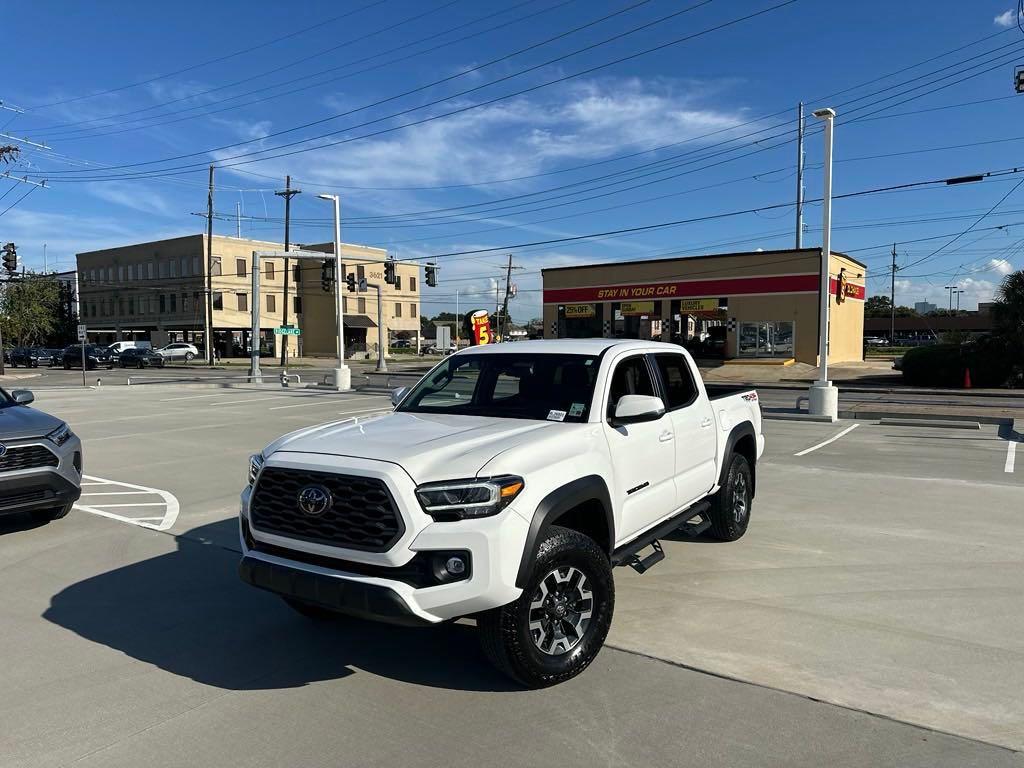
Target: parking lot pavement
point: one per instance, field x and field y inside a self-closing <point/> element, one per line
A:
<point x="881" y="572"/>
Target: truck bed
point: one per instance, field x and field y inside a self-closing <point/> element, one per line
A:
<point x="718" y="391"/>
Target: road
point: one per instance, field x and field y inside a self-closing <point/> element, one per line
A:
<point x="869" y="617"/>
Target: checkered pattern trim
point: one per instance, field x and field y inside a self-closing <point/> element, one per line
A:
<point x="606" y="328"/>
<point x="731" y="325"/>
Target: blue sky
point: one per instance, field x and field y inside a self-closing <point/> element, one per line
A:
<point x="561" y="159"/>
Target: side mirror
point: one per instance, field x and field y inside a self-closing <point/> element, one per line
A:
<point x="632" y="409"/>
<point x="22" y="396"/>
<point x="398" y="394"/>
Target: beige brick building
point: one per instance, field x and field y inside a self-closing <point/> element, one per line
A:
<point x="157" y="291"/>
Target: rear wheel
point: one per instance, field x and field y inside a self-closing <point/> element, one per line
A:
<point x="310" y="610"/>
<point x="557" y="626"/>
<point x="53" y="513"/>
<point x="730" y="509"/>
<point x="189" y="356"/>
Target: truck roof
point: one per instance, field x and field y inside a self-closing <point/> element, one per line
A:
<point x="569" y="346"/>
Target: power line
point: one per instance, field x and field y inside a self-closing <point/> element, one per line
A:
<point x="27" y="193"/>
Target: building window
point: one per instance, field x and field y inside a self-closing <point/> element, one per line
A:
<point x="296" y="273"/>
<point x="412" y="310"/>
<point x="184" y="266"/>
<point x="360" y="271"/>
<point x="361" y="305"/>
<point x="92" y="310"/>
<point x="239" y="267"/>
<point x="131" y="306"/>
<point x="152" y="305"/>
<point x="218" y="300"/>
<point x="184" y="302"/>
<point x="216" y="269"/>
<point x="243" y="302"/>
<point x="150" y="271"/>
<point x="174" y="302"/>
<point x="398" y="309"/>
<point x="398" y="282"/>
<point x="412" y="284"/>
<point x="196" y="269"/>
<point x="270" y="270"/>
<point x="174" y="267"/>
<point x="120" y="273"/>
<point x="133" y="272"/>
<point x="271" y="303"/>
<point x="164" y="269"/>
<point x="297" y="305"/>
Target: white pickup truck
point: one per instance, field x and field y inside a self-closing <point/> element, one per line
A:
<point x="505" y="486"/>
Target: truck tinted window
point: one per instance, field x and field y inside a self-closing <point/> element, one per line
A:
<point x="676" y="380"/>
<point x="515" y="386"/>
<point x="631" y="377"/>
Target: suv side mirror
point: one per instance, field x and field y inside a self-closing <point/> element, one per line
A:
<point x="632" y="409"/>
<point x="22" y="396"/>
<point x="398" y="394"/>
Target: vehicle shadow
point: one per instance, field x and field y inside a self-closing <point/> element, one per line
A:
<point x="18" y="522"/>
<point x="187" y="612"/>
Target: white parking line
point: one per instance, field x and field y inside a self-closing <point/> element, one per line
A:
<point x="102" y="509"/>
<point x="1011" y="453"/>
<point x="822" y="444"/>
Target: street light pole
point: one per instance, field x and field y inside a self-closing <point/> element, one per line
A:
<point x="823" y="398"/>
<point x="342" y="374"/>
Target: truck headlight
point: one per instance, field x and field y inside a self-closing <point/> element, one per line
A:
<point x="462" y="499"/>
<point x="255" y="463"/>
<point x="60" y="435"/>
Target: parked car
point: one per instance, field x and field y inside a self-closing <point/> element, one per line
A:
<point x="434" y="349"/>
<point x="31" y="357"/>
<point x="466" y="501"/>
<point x="179" y="350"/>
<point x="401" y="344"/>
<point x="137" y="357"/>
<point x="95" y="357"/>
<point x="7" y="355"/>
<point x="876" y="341"/>
<point x="40" y="460"/>
<point x="121" y="346"/>
<point x="56" y="357"/>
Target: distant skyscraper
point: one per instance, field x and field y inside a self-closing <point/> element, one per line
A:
<point x="923" y="307"/>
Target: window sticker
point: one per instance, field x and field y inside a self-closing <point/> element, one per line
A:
<point x="556" y="415"/>
<point x="576" y="409"/>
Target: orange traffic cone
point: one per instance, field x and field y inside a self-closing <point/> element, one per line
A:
<point x="967" y="378"/>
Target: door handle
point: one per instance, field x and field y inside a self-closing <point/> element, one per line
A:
<point x="665" y="436"/>
<point x="706" y="423"/>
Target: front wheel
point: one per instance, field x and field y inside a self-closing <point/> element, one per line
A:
<point x="189" y="357"/>
<point x="557" y="626"/>
<point x="730" y="509"/>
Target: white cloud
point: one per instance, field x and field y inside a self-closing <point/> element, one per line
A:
<point x="134" y="196"/>
<point x="910" y="291"/>
<point x="1000" y="266"/>
<point x="1006" y="19"/>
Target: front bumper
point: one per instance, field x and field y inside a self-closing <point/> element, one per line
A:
<point x="28" y="490"/>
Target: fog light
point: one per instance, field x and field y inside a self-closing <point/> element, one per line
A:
<point x="455" y="566"/>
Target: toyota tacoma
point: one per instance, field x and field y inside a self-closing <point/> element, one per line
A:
<point x="505" y="486"/>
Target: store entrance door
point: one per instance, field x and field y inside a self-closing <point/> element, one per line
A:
<point x="765" y="339"/>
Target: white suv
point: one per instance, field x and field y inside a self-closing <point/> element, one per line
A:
<point x="179" y="351"/>
<point x="505" y="486"/>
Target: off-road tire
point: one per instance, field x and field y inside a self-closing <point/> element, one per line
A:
<point x="53" y="513"/>
<point x="310" y="610"/>
<point x="505" y="632"/>
<point x="729" y="514"/>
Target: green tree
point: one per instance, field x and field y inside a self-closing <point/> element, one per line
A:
<point x="877" y="306"/>
<point x="30" y="309"/>
<point x="1008" y="312"/>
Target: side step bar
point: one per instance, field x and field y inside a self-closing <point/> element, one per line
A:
<point x="628" y="554"/>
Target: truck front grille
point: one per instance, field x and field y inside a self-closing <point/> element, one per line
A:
<point x="27" y="457"/>
<point x="362" y="514"/>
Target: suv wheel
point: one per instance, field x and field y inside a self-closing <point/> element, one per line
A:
<point x="189" y="356"/>
<point x="730" y="509"/>
<point x="310" y="610"/>
<point x="53" y="513"/>
<point x="559" y="623"/>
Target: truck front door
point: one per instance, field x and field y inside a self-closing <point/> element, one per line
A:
<point x="643" y="455"/>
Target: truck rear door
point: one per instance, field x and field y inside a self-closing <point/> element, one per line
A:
<point x="693" y="423"/>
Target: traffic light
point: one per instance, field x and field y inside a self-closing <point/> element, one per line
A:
<point x="10" y="258"/>
<point x="327" y="276"/>
<point x="389" y="271"/>
<point x="431" y="273"/>
<point x="350" y="280"/>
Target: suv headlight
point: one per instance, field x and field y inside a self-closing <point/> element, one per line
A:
<point x="462" y="499"/>
<point x="255" y="463"/>
<point x="60" y="435"/>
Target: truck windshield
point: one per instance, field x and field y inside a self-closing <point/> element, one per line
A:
<point x="514" y="386"/>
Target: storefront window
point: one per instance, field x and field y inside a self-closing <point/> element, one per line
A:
<point x="765" y="339"/>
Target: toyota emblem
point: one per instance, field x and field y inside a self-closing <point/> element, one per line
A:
<point x="3" y="450"/>
<point x="314" y="500"/>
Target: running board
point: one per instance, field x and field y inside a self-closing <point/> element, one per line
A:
<point x="628" y="554"/>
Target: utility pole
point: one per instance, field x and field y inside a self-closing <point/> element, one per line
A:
<point x="44" y="258"/>
<point x="504" y="309"/>
<point x="208" y="329"/>
<point x="800" y="176"/>
<point x="958" y="299"/>
<point x="287" y="193"/>
<point x="950" y="288"/>
<point x="892" y="300"/>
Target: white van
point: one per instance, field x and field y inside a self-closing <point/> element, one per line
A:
<point x="120" y="346"/>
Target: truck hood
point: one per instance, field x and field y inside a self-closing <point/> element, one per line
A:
<point x="426" y="446"/>
<point x="20" y="421"/>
